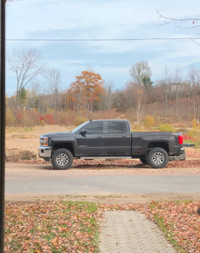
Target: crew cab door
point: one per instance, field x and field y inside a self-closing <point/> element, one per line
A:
<point x="91" y="143"/>
<point x="117" y="138"/>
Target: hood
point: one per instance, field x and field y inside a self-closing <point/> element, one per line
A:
<point x="58" y="135"/>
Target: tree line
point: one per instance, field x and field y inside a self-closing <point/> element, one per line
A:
<point x="174" y="97"/>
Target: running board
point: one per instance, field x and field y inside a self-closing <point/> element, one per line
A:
<point x="105" y="157"/>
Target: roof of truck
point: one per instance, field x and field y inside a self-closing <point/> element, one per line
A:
<point x="108" y="120"/>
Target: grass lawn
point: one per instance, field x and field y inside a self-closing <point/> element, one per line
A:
<point x="73" y="226"/>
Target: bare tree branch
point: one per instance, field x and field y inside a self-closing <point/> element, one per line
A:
<point x="25" y="65"/>
<point x="192" y="22"/>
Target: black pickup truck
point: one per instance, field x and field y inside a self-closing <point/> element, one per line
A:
<point x="110" y="138"/>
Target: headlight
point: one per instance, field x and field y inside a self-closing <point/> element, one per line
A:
<point x="44" y="141"/>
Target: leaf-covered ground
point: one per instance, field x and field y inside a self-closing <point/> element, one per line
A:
<point x="51" y="227"/>
<point x="179" y="221"/>
<point x="73" y="226"/>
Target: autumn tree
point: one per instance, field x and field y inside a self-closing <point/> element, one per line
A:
<point x="26" y="67"/>
<point x="164" y="85"/>
<point x="136" y="98"/>
<point x="141" y="74"/>
<point x="85" y="91"/>
<point x="119" y="101"/>
<point x="34" y="100"/>
<point x="139" y="87"/>
<point x="22" y="96"/>
<point x="53" y="79"/>
<point x="193" y="91"/>
<point x="176" y="87"/>
<point x="108" y="98"/>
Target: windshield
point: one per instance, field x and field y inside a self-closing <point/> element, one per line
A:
<point x="79" y="127"/>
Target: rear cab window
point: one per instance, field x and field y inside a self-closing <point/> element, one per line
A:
<point x="115" y="127"/>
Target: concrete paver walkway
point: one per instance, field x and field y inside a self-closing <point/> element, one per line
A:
<point x="130" y="232"/>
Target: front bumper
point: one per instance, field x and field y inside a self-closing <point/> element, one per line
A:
<point x="44" y="152"/>
<point x="179" y="157"/>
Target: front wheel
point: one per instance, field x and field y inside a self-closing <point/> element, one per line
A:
<point x="157" y="158"/>
<point x="62" y="159"/>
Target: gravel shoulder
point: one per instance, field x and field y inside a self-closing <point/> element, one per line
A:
<point x="101" y="168"/>
<point x="113" y="199"/>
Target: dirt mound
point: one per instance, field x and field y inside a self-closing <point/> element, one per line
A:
<point x="15" y="154"/>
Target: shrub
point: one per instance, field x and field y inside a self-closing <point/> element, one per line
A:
<point x="46" y="119"/>
<point x="149" y="121"/>
<point x="49" y="119"/>
<point x="194" y="123"/>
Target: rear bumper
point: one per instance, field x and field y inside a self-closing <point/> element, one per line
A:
<point x="44" y="152"/>
<point x="179" y="157"/>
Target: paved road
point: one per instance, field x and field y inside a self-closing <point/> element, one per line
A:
<point x="40" y="179"/>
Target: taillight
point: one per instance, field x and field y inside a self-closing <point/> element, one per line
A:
<point x="180" y="139"/>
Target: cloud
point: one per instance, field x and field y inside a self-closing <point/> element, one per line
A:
<point x="103" y="19"/>
<point x="87" y="18"/>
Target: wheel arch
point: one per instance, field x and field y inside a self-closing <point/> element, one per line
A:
<point x="68" y="146"/>
<point x="163" y="145"/>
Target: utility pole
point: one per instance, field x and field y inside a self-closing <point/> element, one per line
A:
<point x="2" y="124"/>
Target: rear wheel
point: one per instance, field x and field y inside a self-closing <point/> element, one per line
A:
<point x="157" y="158"/>
<point x="62" y="159"/>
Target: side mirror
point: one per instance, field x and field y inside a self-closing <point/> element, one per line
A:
<point x="83" y="132"/>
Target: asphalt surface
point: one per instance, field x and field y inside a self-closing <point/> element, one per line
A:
<point x="38" y="179"/>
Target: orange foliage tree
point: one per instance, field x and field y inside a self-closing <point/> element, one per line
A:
<point x="85" y="91"/>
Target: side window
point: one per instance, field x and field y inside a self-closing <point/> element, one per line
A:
<point x="116" y="127"/>
<point x="94" y="127"/>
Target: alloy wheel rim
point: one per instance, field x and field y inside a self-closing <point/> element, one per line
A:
<point x="158" y="158"/>
<point x="62" y="159"/>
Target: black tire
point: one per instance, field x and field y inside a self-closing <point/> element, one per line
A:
<point x="62" y="159"/>
<point x="143" y="160"/>
<point x="157" y="158"/>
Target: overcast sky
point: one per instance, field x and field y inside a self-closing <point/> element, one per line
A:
<point x="103" y="19"/>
